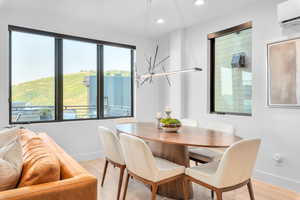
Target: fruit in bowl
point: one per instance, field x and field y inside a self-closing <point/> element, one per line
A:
<point x="170" y="125"/>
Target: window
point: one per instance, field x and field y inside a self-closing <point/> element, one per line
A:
<point x="55" y="77"/>
<point x="231" y="76"/>
<point x="117" y="81"/>
<point x="80" y="80"/>
<point x="33" y="69"/>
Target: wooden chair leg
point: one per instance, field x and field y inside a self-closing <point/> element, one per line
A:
<point x="122" y="169"/>
<point x="250" y="189"/>
<point x="185" y="189"/>
<point x="212" y="195"/>
<point x="154" y="191"/>
<point x="219" y="195"/>
<point x="126" y="186"/>
<point x="104" y="173"/>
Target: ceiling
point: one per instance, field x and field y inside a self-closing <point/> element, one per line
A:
<point x="132" y="16"/>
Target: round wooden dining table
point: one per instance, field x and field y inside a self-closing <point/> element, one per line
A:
<point x="174" y="147"/>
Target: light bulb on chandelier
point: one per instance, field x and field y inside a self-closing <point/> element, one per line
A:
<point x="199" y="2"/>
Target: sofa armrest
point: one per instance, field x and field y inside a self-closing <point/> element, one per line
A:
<point x="69" y="167"/>
<point x="83" y="187"/>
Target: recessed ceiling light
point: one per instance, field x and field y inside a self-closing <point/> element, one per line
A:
<point x="160" y="21"/>
<point x="199" y="2"/>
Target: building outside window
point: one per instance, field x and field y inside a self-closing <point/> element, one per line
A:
<point x="231" y="71"/>
<point x="32" y="77"/>
<point x="58" y="78"/>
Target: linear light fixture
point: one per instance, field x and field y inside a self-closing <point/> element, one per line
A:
<point x="149" y="75"/>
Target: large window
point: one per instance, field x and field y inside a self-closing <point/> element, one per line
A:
<point x="117" y="81"/>
<point x="32" y="77"/>
<point x="56" y="77"/>
<point x="231" y="77"/>
<point x="80" y="79"/>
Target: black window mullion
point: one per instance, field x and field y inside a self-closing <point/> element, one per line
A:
<point x="100" y="82"/>
<point x="132" y="82"/>
<point x="212" y="75"/>
<point x="59" y="79"/>
<point x="10" y="77"/>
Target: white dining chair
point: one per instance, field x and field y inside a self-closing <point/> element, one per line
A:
<point x="189" y="122"/>
<point x="217" y="125"/>
<point x="110" y="124"/>
<point x="143" y="166"/>
<point x="113" y="154"/>
<point x="125" y="120"/>
<point x="233" y="171"/>
<point x="202" y="155"/>
<point x="205" y="155"/>
<point x="197" y="154"/>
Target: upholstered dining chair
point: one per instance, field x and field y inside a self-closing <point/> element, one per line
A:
<point x="143" y="166"/>
<point x="125" y="120"/>
<point x="189" y="122"/>
<point x="233" y="171"/>
<point x="206" y="155"/>
<point x="113" y="154"/>
<point x="110" y="124"/>
<point x="200" y="155"/>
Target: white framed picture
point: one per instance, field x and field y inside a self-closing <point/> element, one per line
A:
<point x="284" y="73"/>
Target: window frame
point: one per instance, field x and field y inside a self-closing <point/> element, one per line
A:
<point x="58" y="39"/>
<point x="211" y="41"/>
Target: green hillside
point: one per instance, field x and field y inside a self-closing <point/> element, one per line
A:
<point x="41" y="92"/>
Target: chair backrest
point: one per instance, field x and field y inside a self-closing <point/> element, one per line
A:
<point x="189" y="122"/>
<point x="112" y="147"/>
<point x="110" y="124"/>
<point x="138" y="157"/>
<point x="237" y="163"/>
<point x="217" y="126"/>
<point x="125" y="120"/>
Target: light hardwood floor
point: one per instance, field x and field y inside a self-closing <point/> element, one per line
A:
<point x="137" y="191"/>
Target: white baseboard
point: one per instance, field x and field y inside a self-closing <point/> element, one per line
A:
<point x="88" y="156"/>
<point x="280" y="181"/>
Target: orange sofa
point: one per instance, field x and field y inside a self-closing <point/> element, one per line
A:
<point x="75" y="184"/>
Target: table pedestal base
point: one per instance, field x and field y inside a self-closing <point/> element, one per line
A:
<point x="179" y="155"/>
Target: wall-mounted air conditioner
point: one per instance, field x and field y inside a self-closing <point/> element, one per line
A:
<point x="289" y="12"/>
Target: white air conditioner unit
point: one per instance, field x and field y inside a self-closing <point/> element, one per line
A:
<point x="289" y="12"/>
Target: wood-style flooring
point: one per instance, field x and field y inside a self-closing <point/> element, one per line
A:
<point x="138" y="191"/>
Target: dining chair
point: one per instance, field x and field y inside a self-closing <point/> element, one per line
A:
<point x="144" y="167"/>
<point x="189" y="122"/>
<point x="200" y="155"/>
<point x="233" y="171"/>
<point x="125" y="120"/>
<point x="206" y="155"/>
<point x="113" y="154"/>
<point x="110" y="124"/>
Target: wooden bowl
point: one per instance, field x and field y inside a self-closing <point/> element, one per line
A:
<point x="170" y="128"/>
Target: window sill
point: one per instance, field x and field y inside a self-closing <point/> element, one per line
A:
<point x="232" y="114"/>
<point x="125" y="119"/>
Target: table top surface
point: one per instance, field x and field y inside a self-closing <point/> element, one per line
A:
<point x="187" y="136"/>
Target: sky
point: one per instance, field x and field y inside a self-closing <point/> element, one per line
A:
<point x="33" y="57"/>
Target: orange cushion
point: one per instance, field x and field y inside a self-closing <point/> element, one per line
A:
<point x="25" y="135"/>
<point x="40" y="163"/>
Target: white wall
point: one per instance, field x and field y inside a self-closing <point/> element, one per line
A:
<point x="80" y="138"/>
<point x="176" y="63"/>
<point x="278" y="128"/>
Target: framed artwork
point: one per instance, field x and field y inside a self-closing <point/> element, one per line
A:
<point x="284" y="73"/>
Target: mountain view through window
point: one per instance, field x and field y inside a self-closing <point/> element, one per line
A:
<point x="34" y="78"/>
